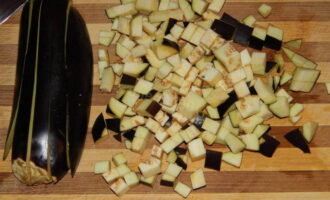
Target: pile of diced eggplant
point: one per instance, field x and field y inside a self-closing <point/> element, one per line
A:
<point x="182" y="81"/>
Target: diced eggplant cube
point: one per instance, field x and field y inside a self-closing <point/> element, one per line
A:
<point x="156" y="151"/>
<point x="231" y="158"/>
<point x="148" y="108"/>
<point x="213" y="160"/>
<point x="269" y="66"/>
<point x="256" y="43"/>
<point x="249" y="20"/>
<point x="248" y="105"/>
<point x="181" y="163"/>
<point x="268" y="147"/>
<point x="113" y="124"/>
<point x="224" y="29"/>
<point x="119" y="159"/>
<point x="123" y="169"/>
<point x="251" y="141"/>
<point x="101" y="167"/>
<point x="273" y="43"/>
<point x="296" y="138"/>
<point x="171" y="157"/>
<point x="229" y="20"/>
<point x="148" y="181"/>
<point x="111" y="175"/>
<point x="119" y="187"/>
<point x="150" y="167"/>
<point x="127" y="81"/>
<point x="199" y="120"/>
<point x="235" y="144"/>
<point x="243" y="34"/>
<point x="217" y="97"/>
<point x="198" y="179"/>
<point x="222" y="109"/>
<point x="211" y="125"/>
<point x="261" y="129"/>
<point x="168" y="145"/>
<point x="173" y="170"/>
<point x="98" y="130"/>
<point x="264" y="10"/>
<point x="196" y="149"/>
<point x="129" y="135"/>
<point x="182" y="189"/>
<point x="191" y="104"/>
<point x="309" y="130"/>
<point x="265" y="92"/>
<point x="167" y="180"/>
<point x="281" y="107"/>
<point x="131" y="179"/>
<point x="180" y="151"/>
<point x="171" y="23"/>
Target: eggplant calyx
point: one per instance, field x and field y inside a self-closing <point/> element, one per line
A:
<point x="38" y="175"/>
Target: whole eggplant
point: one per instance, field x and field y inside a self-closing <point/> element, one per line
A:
<point x="53" y="90"/>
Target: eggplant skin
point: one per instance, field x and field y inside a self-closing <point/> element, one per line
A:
<point x="53" y="91"/>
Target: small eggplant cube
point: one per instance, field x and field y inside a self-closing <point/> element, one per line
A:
<point x="256" y="43"/>
<point x="111" y="175"/>
<point x="119" y="187"/>
<point x="167" y="180"/>
<point x="98" y="130"/>
<point x="243" y="34"/>
<point x="268" y="147"/>
<point x="148" y="108"/>
<point x="211" y="125"/>
<point x="182" y="189"/>
<point x="273" y="43"/>
<point x="119" y="159"/>
<point x="150" y="167"/>
<point x="198" y="179"/>
<point x="224" y="29"/>
<point x="213" y="160"/>
<point x="196" y="149"/>
<point x="297" y="139"/>
<point x="156" y="151"/>
<point x="168" y="145"/>
<point x="122" y="170"/>
<point x="173" y="170"/>
<point x="131" y="179"/>
<point x="148" y="181"/>
<point x="129" y="135"/>
<point x="113" y="124"/>
<point x="101" y="167"/>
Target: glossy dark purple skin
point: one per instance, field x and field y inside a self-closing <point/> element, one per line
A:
<point x="80" y="68"/>
<point x="64" y="87"/>
<point x="296" y="138"/>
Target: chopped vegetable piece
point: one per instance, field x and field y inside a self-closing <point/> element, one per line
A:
<point x="309" y="130"/>
<point x="296" y="138"/>
<point x="101" y="167"/>
<point x="198" y="179"/>
<point x="269" y="146"/>
<point x="213" y="160"/>
<point x="249" y="20"/>
<point x="182" y="189"/>
<point x="231" y="158"/>
<point x="264" y="10"/>
<point x="294" y="43"/>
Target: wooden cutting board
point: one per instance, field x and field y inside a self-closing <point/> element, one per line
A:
<point x="289" y="174"/>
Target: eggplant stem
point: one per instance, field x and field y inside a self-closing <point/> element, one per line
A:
<point x="32" y="175"/>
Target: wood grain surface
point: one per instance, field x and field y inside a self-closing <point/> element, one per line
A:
<point x="290" y="174"/>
